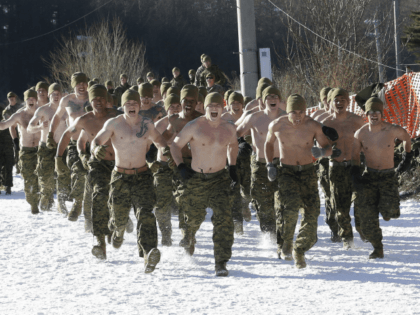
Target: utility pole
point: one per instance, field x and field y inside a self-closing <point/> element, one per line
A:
<point x="396" y="4"/>
<point x="247" y="47"/>
<point x="378" y="48"/>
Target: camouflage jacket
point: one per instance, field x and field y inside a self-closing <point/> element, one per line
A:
<point x="178" y="82"/>
<point x="218" y="75"/>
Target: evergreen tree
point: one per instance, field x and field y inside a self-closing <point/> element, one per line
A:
<point x="413" y="34"/>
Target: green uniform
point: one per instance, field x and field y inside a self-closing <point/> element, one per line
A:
<point x="379" y="196"/>
<point x="243" y="165"/>
<point x="262" y="193"/>
<point x="137" y="191"/>
<point x="27" y="161"/>
<point x="87" y="199"/>
<point x="297" y="190"/>
<point x="215" y="88"/>
<point x="99" y="178"/>
<point x="119" y="91"/>
<point x="7" y="113"/>
<point x="179" y="191"/>
<point x="63" y="188"/>
<point x="7" y="159"/>
<point x="323" y="170"/>
<point x="45" y="172"/>
<point x="178" y="82"/>
<point x="236" y="203"/>
<point x="219" y="77"/>
<point x="210" y="190"/>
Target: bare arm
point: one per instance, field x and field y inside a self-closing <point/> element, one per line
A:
<point x="157" y="138"/>
<point x="242" y="118"/>
<point x="12" y="121"/>
<point x="33" y="126"/>
<point x="244" y="127"/>
<point x="356" y="149"/>
<point x="61" y="110"/>
<point x="65" y="138"/>
<point x="81" y="142"/>
<point x="170" y="131"/>
<point x="181" y="141"/>
<point x="104" y="134"/>
<point x="232" y="151"/>
<point x="403" y="136"/>
<point x="269" y="144"/>
<point x="13" y="131"/>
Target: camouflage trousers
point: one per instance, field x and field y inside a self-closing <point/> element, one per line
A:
<point x="137" y="191"/>
<point x="210" y="190"/>
<point x="179" y="188"/>
<point x="262" y="193"/>
<point x="63" y="187"/>
<point x="164" y="197"/>
<point x="7" y="160"/>
<point x="45" y="172"/>
<point x="87" y="198"/>
<point x="27" y="161"/>
<point x="78" y="173"/>
<point x="99" y="177"/>
<point x="379" y="196"/>
<point x="243" y="165"/>
<point x="297" y="190"/>
<point x="323" y="171"/>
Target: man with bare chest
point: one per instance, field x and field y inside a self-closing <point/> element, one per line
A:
<point x="212" y="140"/>
<point x="40" y="122"/>
<point x="378" y="186"/>
<point x="74" y="105"/>
<point x="41" y="89"/>
<point x="131" y="180"/>
<point x="28" y="147"/>
<point x="297" y="187"/>
<point x="189" y="97"/>
<point x="341" y="191"/>
<point x="100" y="165"/>
<point x="324" y="106"/>
<point x="262" y="190"/>
<point x="148" y="108"/>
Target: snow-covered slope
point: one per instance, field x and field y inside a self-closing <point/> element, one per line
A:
<point x="46" y="268"/>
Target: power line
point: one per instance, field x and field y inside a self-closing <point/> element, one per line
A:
<point x="32" y="38"/>
<point x="349" y="51"/>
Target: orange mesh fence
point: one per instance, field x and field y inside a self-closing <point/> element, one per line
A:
<point x="402" y="103"/>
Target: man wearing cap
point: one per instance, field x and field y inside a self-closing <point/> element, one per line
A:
<point x="131" y="180"/>
<point x="164" y="88"/>
<point x="147" y="107"/>
<point x="150" y="76"/>
<point x="207" y="183"/>
<point x="100" y="165"/>
<point x="211" y="86"/>
<point x="191" y="75"/>
<point x="189" y="96"/>
<point x="257" y="101"/>
<point x="323" y="106"/>
<point x="40" y="122"/>
<point x="328" y="107"/>
<point x="124" y="86"/>
<point x="341" y="191"/>
<point x="297" y="186"/>
<point x="42" y="89"/>
<point x="157" y="97"/>
<point x="378" y="186"/>
<point x="262" y="190"/>
<point x="74" y="105"/>
<point x="163" y="175"/>
<point x="240" y="209"/>
<point x="200" y="104"/>
<point x="28" y="146"/>
<point x="219" y="77"/>
<point x="178" y="80"/>
<point x="110" y="86"/>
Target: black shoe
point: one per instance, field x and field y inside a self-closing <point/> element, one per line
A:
<point x="221" y="270"/>
<point x="34" y="210"/>
<point x="377" y="253"/>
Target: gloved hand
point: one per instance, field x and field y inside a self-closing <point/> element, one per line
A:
<point x="335" y="152"/>
<point x="356" y="177"/>
<point x="185" y="171"/>
<point x="245" y="148"/>
<point x="16" y="146"/>
<point x="100" y="152"/>
<point x="151" y="154"/>
<point x="154" y="166"/>
<point x="168" y="155"/>
<point x="405" y="163"/>
<point x="51" y="144"/>
<point x="330" y="133"/>
<point x="233" y="176"/>
<point x="272" y="172"/>
<point x="84" y="157"/>
<point x="60" y="167"/>
<point x="318" y="152"/>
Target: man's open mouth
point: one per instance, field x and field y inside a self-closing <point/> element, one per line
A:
<point x="273" y="105"/>
<point x="188" y="108"/>
<point x="214" y="114"/>
<point x="131" y="111"/>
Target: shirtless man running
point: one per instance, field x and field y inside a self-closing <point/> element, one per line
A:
<point x="45" y="168"/>
<point x="378" y="187"/>
<point x="148" y="108"/>
<point x="41" y="89"/>
<point x="212" y="141"/>
<point x="324" y="104"/>
<point x="74" y="105"/>
<point x="262" y="190"/>
<point x="28" y="146"/>
<point x="297" y="187"/>
<point x="341" y="190"/>
<point x="131" y="181"/>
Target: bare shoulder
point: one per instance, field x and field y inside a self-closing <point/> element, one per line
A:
<point x="279" y="122"/>
<point x="162" y="123"/>
<point x="327" y="119"/>
<point x="360" y="133"/>
<point x="355" y="117"/>
<point x="173" y="118"/>
<point x="65" y="100"/>
<point x="311" y="123"/>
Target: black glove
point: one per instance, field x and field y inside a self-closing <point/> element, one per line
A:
<point x="335" y="152"/>
<point x="405" y="163"/>
<point x="151" y="154"/>
<point x="233" y="175"/>
<point x="330" y="133"/>
<point x="356" y="177"/>
<point x="245" y="148"/>
<point x="185" y="171"/>
<point x="16" y="144"/>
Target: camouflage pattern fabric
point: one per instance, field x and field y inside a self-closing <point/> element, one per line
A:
<point x="236" y="201"/>
<point x="243" y="165"/>
<point x="10" y="110"/>
<point x="78" y="173"/>
<point x="137" y="191"/>
<point x="323" y="171"/>
<point x="45" y="171"/>
<point x="63" y="188"/>
<point x="6" y="114"/>
<point x="27" y="161"/>
<point x="378" y="196"/>
<point x="210" y="190"/>
<point x="178" y="82"/>
<point x="216" y="88"/>
<point x="7" y="159"/>
<point x="262" y="193"/>
<point x="219" y="77"/>
<point x="99" y="178"/>
<point x="341" y="190"/>
<point x="179" y="191"/>
<point x="87" y="196"/>
<point x="297" y="190"/>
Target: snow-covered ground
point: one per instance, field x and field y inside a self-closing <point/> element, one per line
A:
<point x="46" y="268"/>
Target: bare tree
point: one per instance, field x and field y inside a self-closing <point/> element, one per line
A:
<point x="100" y="51"/>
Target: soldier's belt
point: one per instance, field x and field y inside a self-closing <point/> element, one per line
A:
<point x="29" y="149"/>
<point x="210" y="175"/>
<point x="263" y="160"/>
<point x="298" y="168"/>
<point x="131" y="171"/>
<point x="344" y="163"/>
<point x="388" y="170"/>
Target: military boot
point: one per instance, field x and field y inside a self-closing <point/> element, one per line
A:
<point x="8" y="190"/>
<point x="117" y="239"/>
<point x="75" y="211"/>
<point x="130" y="226"/>
<point x="99" y="250"/>
<point x="348" y="244"/>
<point x="300" y="262"/>
<point x="151" y="260"/>
<point x="246" y="213"/>
<point x="34" y="209"/>
<point x="286" y="251"/>
<point x="44" y="203"/>
<point x="378" y="252"/>
<point x="238" y="227"/>
<point x="221" y="270"/>
<point x="166" y="238"/>
<point x="188" y="242"/>
<point x="279" y="250"/>
<point x="335" y="238"/>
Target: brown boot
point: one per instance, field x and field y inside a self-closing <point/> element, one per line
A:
<point x="300" y="262"/>
<point x="286" y="251"/>
<point x="75" y="211"/>
<point x="378" y="252"/>
<point x="221" y="270"/>
<point x="151" y="260"/>
<point x="117" y="239"/>
<point x="99" y="250"/>
<point x="34" y="209"/>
